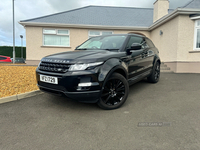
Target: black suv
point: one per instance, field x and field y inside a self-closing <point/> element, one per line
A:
<point x="101" y="69"/>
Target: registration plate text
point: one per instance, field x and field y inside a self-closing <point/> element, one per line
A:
<point x="49" y="79"/>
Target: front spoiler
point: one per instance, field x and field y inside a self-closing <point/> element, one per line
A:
<point x="85" y="96"/>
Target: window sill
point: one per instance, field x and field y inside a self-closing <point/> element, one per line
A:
<point x="194" y="51"/>
<point x="55" y="46"/>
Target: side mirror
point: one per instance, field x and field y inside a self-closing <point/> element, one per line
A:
<point x="136" y="46"/>
<point x="135" y="49"/>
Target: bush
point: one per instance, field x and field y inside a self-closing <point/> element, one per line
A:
<point x="8" y="51"/>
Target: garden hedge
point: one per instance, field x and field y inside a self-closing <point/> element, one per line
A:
<point x="8" y="51"/>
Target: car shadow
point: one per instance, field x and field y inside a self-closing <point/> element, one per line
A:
<point x="64" y="102"/>
<point x="138" y="86"/>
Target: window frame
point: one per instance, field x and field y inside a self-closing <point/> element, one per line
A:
<point x="89" y="36"/>
<point x="195" y="35"/>
<point x="56" y="29"/>
<point x="149" y="43"/>
<point x="143" y="38"/>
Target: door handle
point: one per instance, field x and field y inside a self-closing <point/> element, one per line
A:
<point x="144" y="54"/>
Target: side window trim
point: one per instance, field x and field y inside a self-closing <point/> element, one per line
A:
<point x="149" y="43"/>
<point x="130" y="43"/>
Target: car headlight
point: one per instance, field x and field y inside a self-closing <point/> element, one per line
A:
<point x="77" y="67"/>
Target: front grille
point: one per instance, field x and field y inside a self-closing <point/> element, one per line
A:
<point x="54" y="67"/>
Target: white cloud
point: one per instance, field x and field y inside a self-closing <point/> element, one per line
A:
<point x="23" y="10"/>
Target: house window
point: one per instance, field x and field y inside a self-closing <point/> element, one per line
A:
<point x="197" y="35"/>
<point x="56" y="37"/>
<point x="98" y="33"/>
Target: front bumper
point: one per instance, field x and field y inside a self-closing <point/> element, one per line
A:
<point x="74" y="85"/>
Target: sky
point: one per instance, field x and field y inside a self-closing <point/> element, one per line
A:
<point x="27" y="9"/>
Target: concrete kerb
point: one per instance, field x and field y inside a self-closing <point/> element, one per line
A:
<point x="19" y="96"/>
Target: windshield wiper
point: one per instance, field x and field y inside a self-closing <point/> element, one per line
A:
<point x="81" y="49"/>
<point x="109" y="49"/>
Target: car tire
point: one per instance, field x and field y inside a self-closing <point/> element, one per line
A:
<point x="114" y="92"/>
<point x="155" y="75"/>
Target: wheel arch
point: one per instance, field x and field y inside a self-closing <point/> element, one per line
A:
<point x="159" y="61"/>
<point x="156" y="59"/>
<point x="117" y="69"/>
<point x="111" y="66"/>
<point x="120" y="71"/>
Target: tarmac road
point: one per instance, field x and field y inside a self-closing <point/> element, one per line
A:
<point x="162" y="116"/>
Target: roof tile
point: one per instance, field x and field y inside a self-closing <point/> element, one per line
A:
<point x="101" y="15"/>
<point x="192" y="4"/>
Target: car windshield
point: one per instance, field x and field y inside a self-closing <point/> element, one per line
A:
<point x="113" y="42"/>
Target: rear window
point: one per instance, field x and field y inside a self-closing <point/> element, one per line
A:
<point x="2" y="58"/>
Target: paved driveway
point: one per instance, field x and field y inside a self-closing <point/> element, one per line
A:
<point x="163" y="116"/>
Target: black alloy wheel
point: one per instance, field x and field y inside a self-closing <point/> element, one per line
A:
<point x="157" y="71"/>
<point x="155" y="76"/>
<point x="114" y="93"/>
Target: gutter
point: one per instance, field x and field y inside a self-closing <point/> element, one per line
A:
<point x="194" y="18"/>
<point x="38" y="24"/>
<point x="176" y="12"/>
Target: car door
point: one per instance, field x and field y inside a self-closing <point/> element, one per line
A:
<point x="151" y="52"/>
<point x="146" y="56"/>
<point x="134" y="60"/>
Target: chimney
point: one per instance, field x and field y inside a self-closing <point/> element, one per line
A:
<point x="160" y="9"/>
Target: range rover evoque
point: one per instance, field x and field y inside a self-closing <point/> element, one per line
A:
<point x="101" y="69"/>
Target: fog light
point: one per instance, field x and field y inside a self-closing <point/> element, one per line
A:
<point x="88" y="84"/>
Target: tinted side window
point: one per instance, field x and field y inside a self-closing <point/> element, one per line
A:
<point x="135" y="39"/>
<point x="2" y="58"/>
<point x="150" y="43"/>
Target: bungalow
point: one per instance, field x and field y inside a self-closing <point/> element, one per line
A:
<point x="176" y="33"/>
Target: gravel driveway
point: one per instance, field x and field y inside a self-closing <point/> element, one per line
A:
<point x="163" y="116"/>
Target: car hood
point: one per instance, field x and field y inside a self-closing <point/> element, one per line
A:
<point x="83" y="56"/>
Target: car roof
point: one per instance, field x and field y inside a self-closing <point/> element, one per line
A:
<point x="122" y="35"/>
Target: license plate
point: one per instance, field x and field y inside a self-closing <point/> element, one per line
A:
<point x="49" y="79"/>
